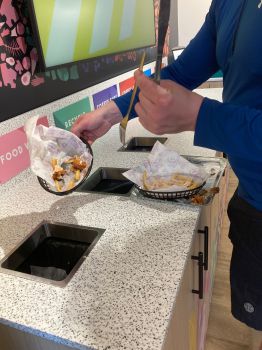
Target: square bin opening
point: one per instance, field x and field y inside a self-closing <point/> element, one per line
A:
<point x="108" y="180"/>
<point x="141" y="144"/>
<point x="52" y="253"/>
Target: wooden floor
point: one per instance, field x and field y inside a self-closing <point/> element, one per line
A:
<point x="224" y="332"/>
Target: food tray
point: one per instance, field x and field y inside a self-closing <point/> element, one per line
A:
<point x="48" y="188"/>
<point x="214" y="166"/>
<point x="169" y="195"/>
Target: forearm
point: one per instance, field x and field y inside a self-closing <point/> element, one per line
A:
<point x="235" y="130"/>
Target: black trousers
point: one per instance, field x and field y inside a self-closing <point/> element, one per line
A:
<point x="246" y="263"/>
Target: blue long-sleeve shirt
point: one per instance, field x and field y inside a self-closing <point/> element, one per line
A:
<point x="231" y="40"/>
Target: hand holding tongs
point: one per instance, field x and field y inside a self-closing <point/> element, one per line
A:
<point x="123" y="124"/>
<point x="164" y="13"/>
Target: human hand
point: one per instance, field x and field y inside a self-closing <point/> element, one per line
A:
<point x="166" y="108"/>
<point x="91" y="126"/>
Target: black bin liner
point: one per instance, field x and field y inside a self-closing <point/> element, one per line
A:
<point x="140" y="148"/>
<point x="113" y="186"/>
<point x="54" y="258"/>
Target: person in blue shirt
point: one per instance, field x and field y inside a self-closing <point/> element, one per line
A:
<point x="230" y="40"/>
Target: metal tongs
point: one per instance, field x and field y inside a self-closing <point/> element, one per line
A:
<point x="124" y="121"/>
<point x="164" y="13"/>
<point x="163" y="20"/>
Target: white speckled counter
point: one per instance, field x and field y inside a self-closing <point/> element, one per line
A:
<point x="123" y="295"/>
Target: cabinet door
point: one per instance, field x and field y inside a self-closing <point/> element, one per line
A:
<point x="188" y="325"/>
<point x="205" y="227"/>
<point x="182" y="331"/>
<point x="14" y="339"/>
<point x="211" y="217"/>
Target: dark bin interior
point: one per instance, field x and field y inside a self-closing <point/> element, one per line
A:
<point x="142" y="144"/>
<point x="54" y="251"/>
<point x="108" y="180"/>
<point x="54" y="258"/>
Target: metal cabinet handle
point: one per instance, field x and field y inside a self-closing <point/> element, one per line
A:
<point x="200" y="260"/>
<point x="205" y="232"/>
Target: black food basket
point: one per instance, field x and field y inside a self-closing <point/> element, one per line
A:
<point x="50" y="189"/>
<point x="170" y="195"/>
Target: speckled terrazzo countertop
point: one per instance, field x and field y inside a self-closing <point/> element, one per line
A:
<point x="123" y="295"/>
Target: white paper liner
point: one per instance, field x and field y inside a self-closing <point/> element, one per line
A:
<point x="163" y="163"/>
<point x="46" y="143"/>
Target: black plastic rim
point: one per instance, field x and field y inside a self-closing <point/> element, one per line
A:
<point x="170" y="195"/>
<point x="47" y="187"/>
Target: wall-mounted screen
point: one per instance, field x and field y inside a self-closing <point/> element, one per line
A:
<point x="74" y="30"/>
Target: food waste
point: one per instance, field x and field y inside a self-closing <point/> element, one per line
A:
<point x="68" y="173"/>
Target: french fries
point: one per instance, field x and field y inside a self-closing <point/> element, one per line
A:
<point x="53" y="163"/>
<point x="77" y="175"/>
<point x="58" y="186"/>
<point x="158" y="182"/>
<point x="70" y="185"/>
<point x="145" y="181"/>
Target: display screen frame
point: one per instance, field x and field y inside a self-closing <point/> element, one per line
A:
<point x="37" y="43"/>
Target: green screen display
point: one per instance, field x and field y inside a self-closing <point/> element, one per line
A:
<point x="75" y="30"/>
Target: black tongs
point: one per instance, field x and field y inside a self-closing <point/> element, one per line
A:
<point x="163" y="20"/>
